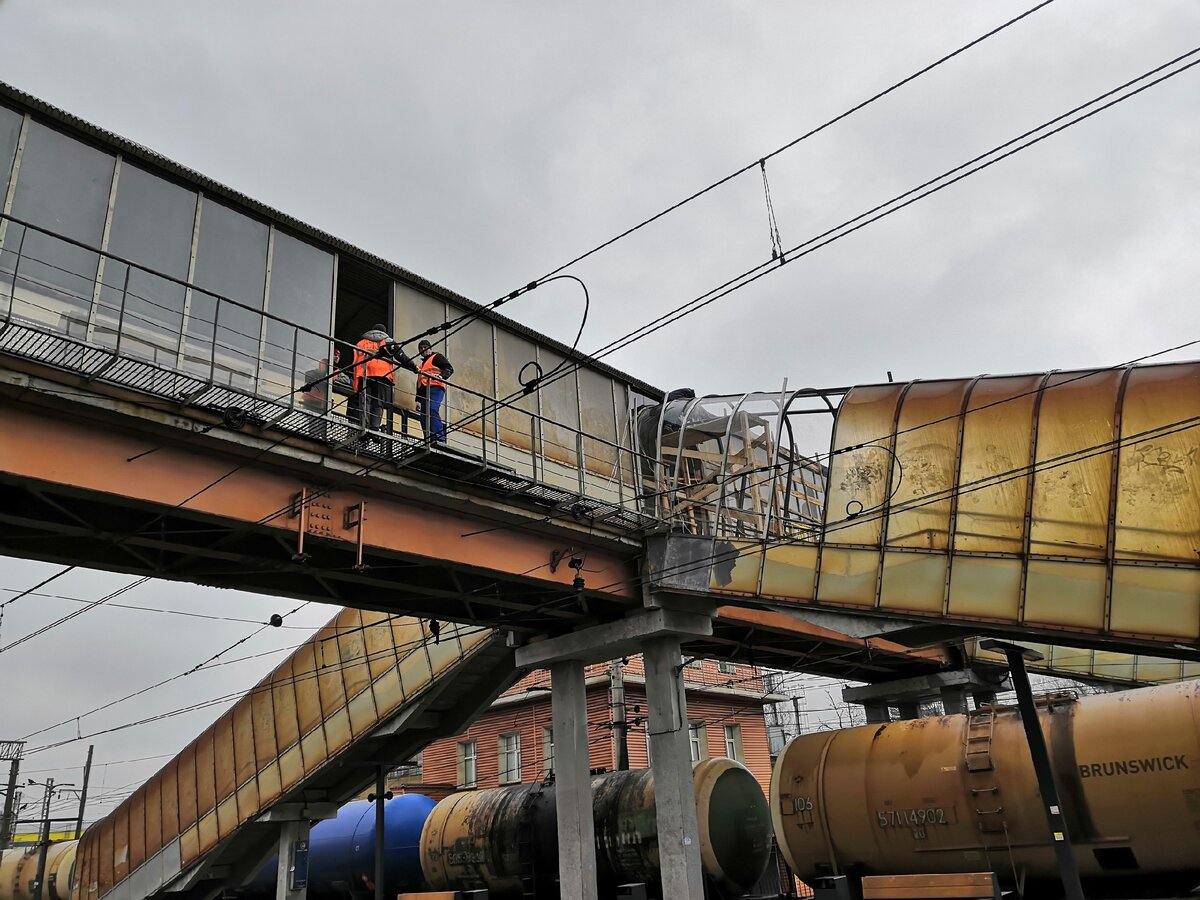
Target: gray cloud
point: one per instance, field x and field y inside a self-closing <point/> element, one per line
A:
<point x="483" y="144"/>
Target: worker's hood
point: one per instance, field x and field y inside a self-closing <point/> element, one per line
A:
<point x="375" y="335"/>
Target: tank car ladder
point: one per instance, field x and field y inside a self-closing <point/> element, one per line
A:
<point x="977" y="754"/>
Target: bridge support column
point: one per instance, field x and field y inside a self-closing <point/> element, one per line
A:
<point x="291" y="876"/>
<point x="671" y="763"/>
<point x="572" y="772"/>
<point x="656" y="633"/>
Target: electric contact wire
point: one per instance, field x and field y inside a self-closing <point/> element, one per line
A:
<point x="850" y="226"/>
<point x="814" y="244"/>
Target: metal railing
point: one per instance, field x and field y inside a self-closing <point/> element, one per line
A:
<point x="126" y="324"/>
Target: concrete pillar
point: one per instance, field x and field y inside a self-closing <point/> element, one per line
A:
<point x="573" y="790"/>
<point x="954" y="701"/>
<point x="909" y="709"/>
<point x="877" y="713"/>
<point x="293" y="837"/>
<point x="670" y="761"/>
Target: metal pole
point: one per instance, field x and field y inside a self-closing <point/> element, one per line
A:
<point x="44" y="842"/>
<point x="1067" y="869"/>
<point x="87" y="771"/>
<point x="380" y="787"/>
<point x="616" y="677"/>
<point x="10" y="800"/>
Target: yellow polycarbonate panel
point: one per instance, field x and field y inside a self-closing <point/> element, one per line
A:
<point x="106" y="856"/>
<point x="187" y="786"/>
<point x="356" y="674"/>
<point x="915" y="582"/>
<point x="1068" y="594"/>
<point x="994" y="481"/>
<point x="313" y="750"/>
<point x="248" y="803"/>
<point x="291" y="767"/>
<point x="1157" y="670"/>
<point x="207" y="832"/>
<point x="227" y="816"/>
<point x="362" y="712"/>
<point x="1071" y="486"/>
<point x="169" y="780"/>
<point x="414" y="666"/>
<point x="984" y="587"/>
<point x="303" y="676"/>
<point x="560" y="409"/>
<point x="389" y="692"/>
<point x="263" y="713"/>
<point x="283" y="702"/>
<point x="746" y="557"/>
<point x="380" y="646"/>
<point x="1158" y="488"/>
<point x="189" y="846"/>
<point x="848" y="576"/>
<point x="337" y="731"/>
<point x="1156" y="601"/>
<point x="206" y="792"/>
<point x="858" y="478"/>
<point x="270" y="785"/>
<point x="413" y="312"/>
<point x="153" y="816"/>
<point x="120" y="842"/>
<point x="926" y="445"/>
<point x="790" y="570"/>
<point x="226" y="772"/>
<point x="243" y="742"/>
<point x="329" y="676"/>
<point x="137" y="828"/>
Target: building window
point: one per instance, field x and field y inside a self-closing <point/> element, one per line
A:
<point x="548" y="749"/>
<point x="695" y="663"/>
<point x="697" y="741"/>
<point x="733" y="742"/>
<point x="726" y="667"/>
<point x="409" y="772"/>
<point x="510" y="758"/>
<point x="466" y="764"/>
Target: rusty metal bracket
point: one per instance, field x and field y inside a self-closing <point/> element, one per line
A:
<point x="299" y="509"/>
<point x="355" y="517"/>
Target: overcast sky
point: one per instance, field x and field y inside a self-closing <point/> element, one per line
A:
<point x="483" y="144"/>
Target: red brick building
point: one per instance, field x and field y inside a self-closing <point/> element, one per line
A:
<point x="513" y="741"/>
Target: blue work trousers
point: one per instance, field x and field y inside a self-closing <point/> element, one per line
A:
<point x="429" y="403"/>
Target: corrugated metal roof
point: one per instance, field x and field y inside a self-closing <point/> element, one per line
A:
<point x="115" y="142"/>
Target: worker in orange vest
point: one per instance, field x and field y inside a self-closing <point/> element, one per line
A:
<point x="432" y="373"/>
<point x="376" y="358"/>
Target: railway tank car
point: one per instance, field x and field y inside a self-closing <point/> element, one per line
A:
<point x="958" y="793"/>
<point x="506" y="839"/>
<point x="18" y="872"/>
<point x="341" y="851"/>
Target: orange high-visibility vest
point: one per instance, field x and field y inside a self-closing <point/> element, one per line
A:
<point x="429" y="374"/>
<point x="366" y="363"/>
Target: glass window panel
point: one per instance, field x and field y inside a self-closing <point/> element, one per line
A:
<point x="1070" y="501"/>
<point x="151" y="226"/>
<point x="512" y="354"/>
<point x="926" y="444"/>
<point x="302" y="295"/>
<point x="413" y="313"/>
<point x="231" y="260"/>
<point x="1158" y="487"/>
<point x="596" y="404"/>
<point x="10" y="130"/>
<point x="996" y="436"/>
<point x="560" y="408"/>
<point x="469" y="350"/>
<point x="858" y="478"/>
<point x="1157" y="601"/>
<point x="62" y="186"/>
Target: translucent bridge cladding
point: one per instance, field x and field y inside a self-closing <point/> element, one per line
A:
<point x="1066" y="502"/>
<point x="331" y="692"/>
